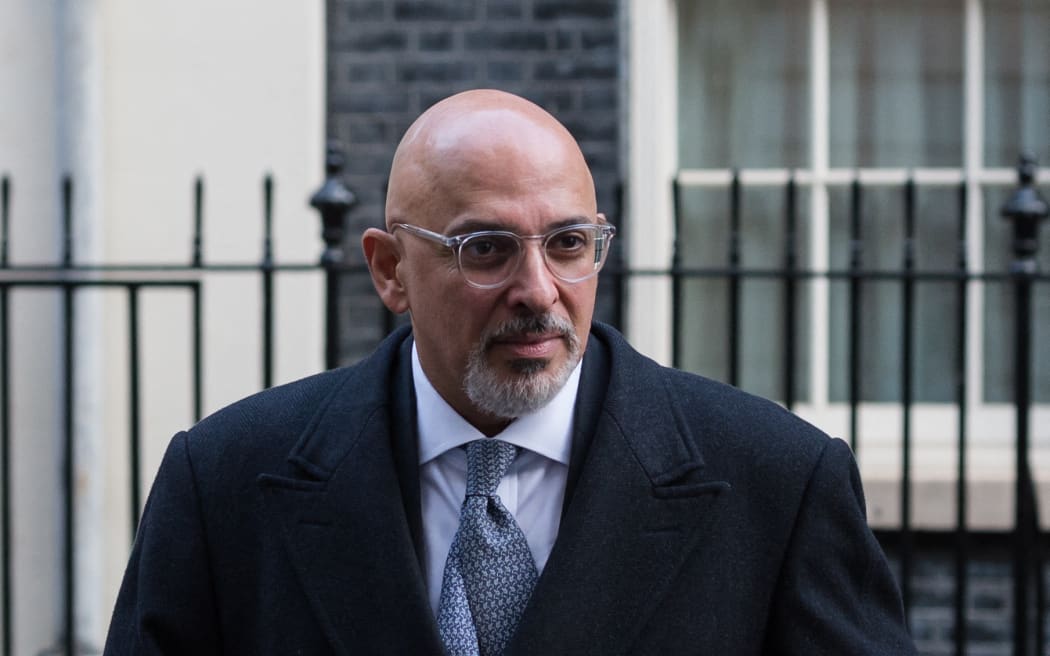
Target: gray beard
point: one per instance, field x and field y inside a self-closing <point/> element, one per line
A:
<point x="533" y="384"/>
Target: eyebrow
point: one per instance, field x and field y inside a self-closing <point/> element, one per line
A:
<point x="478" y="225"/>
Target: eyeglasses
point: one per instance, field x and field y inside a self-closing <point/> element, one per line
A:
<point x="487" y="259"/>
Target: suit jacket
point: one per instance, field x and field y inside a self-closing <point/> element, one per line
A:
<point x="698" y="520"/>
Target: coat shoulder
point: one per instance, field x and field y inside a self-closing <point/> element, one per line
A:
<point x="722" y="422"/>
<point x="739" y="414"/>
<point x="262" y="429"/>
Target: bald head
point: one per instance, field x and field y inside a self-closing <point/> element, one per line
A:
<point x="478" y="140"/>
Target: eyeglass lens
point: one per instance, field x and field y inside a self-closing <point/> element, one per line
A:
<point x="572" y="254"/>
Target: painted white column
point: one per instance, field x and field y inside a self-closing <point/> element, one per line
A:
<point x="30" y="155"/>
<point x="653" y="148"/>
<point x="819" y="337"/>
<point x="973" y="149"/>
<point x="81" y="141"/>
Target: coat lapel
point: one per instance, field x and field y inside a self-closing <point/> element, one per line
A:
<point x="343" y="516"/>
<point x="640" y="504"/>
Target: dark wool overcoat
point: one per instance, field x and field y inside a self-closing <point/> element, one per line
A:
<point x="698" y="520"/>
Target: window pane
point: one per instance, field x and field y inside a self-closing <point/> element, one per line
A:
<point x="743" y="84"/>
<point x="705" y="300"/>
<point x="935" y="333"/>
<point x="881" y="233"/>
<point x="1017" y="81"/>
<point x="705" y="234"/>
<point x="896" y="83"/>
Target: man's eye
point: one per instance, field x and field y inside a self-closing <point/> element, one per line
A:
<point x="487" y="248"/>
<point x="479" y="247"/>
<point x="567" y="242"/>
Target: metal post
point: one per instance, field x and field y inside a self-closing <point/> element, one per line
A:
<point x="677" y="284"/>
<point x="6" y="585"/>
<point x="856" y="248"/>
<point x="907" y="393"/>
<point x="134" y="408"/>
<point x="733" y="377"/>
<point x="791" y="257"/>
<point x="1026" y="208"/>
<point x="198" y="222"/>
<point x="266" y="269"/>
<point x="69" y="636"/>
<point x="333" y="200"/>
<point x="961" y="531"/>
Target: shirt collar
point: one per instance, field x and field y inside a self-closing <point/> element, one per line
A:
<point x="547" y="431"/>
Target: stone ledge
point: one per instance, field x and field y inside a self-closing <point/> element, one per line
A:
<point x="990" y="503"/>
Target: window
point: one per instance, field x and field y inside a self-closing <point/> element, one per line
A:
<point x="829" y="92"/>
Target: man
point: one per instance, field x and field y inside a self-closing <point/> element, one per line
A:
<point x="505" y="476"/>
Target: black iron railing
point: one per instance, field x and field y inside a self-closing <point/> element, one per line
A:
<point x="1027" y="209"/>
<point x="334" y="201"/>
<point x="69" y="279"/>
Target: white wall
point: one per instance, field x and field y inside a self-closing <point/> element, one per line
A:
<point x="135" y="99"/>
<point x="30" y="153"/>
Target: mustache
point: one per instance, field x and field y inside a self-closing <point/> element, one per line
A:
<point x="531" y="323"/>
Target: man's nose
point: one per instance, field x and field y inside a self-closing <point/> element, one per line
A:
<point x="533" y="285"/>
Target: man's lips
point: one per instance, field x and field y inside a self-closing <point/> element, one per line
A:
<point x="530" y="345"/>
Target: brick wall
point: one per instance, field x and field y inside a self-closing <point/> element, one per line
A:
<point x="388" y="60"/>
<point x="989" y="599"/>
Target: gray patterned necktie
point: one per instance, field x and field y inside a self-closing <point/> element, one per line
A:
<point x="489" y="573"/>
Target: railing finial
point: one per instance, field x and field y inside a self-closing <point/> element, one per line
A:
<point x="333" y="200"/>
<point x="1026" y="208"/>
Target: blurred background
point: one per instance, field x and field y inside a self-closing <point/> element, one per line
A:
<point x="810" y="196"/>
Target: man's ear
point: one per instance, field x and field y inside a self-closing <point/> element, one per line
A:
<point x="383" y="254"/>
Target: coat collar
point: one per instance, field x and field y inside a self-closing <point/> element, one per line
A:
<point x="349" y="511"/>
<point x="636" y="504"/>
<point x="641" y="504"/>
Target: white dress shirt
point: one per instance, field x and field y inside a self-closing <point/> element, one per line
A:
<point x="532" y="489"/>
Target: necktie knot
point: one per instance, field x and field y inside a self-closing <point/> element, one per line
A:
<point x="487" y="462"/>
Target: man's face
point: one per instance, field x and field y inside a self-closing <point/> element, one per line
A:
<point x="495" y="353"/>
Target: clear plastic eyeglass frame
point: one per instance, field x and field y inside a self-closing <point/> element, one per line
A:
<point x="502" y="271"/>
